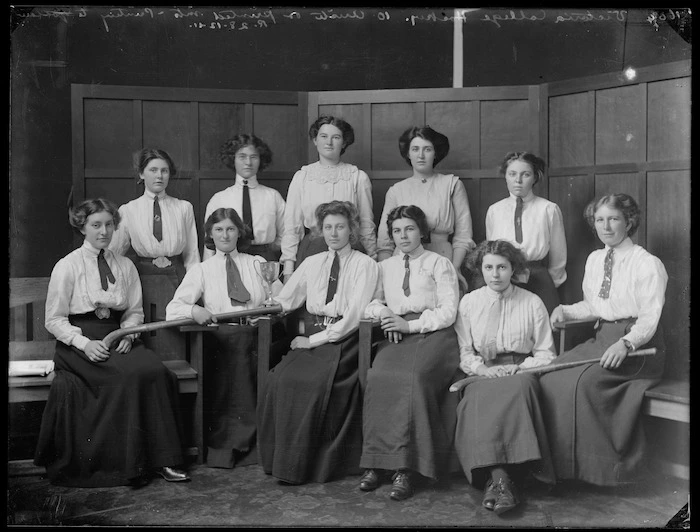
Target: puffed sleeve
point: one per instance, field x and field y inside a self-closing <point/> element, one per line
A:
<point x="121" y="240"/>
<point x="581" y="310"/>
<point x="463" y="234"/>
<point x="378" y="302"/>
<point x="650" y="296"/>
<point x="279" y="219"/>
<point x="58" y="298"/>
<point x="557" y="245"/>
<point x="133" y="314"/>
<point x="384" y="241"/>
<point x="293" y="293"/>
<point x="186" y="296"/>
<point x="293" y="222"/>
<point x="468" y="359"/>
<point x="191" y="251"/>
<point x="543" y="348"/>
<point x="447" y="295"/>
<point x="366" y="212"/>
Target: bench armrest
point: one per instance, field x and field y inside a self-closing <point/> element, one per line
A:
<point x="562" y="326"/>
<point x="365" y="349"/>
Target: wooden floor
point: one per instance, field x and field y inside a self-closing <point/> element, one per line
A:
<point x="246" y="497"/>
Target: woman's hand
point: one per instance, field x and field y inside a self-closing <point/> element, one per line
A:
<point x="557" y="316"/>
<point x="202" y="315"/>
<point x="97" y="351"/>
<point x="394" y="323"/>
<point x="124" y="345"/>
<point x="394" y="337"/>
<point x="614" y="355"/>
<point x="301" y="342"/>
<point x="497" y="371"/>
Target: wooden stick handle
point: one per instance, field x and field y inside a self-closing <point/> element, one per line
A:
<point x="549" y="368"/>
<point x="157" y="325"/>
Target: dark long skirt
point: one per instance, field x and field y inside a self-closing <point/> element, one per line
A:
<point x="311" y="245"/>
<point x="158" y="286"/>
<point x="107" y="422"/>
<point x="230" y="388"/>
<point x="500" y="422"/>
<point x="593" y="414"/>
<point x="310" y="419"/>
<point x="269" y="252"/>
<point x="409" y="413"/>
<point x="541" y="284"/>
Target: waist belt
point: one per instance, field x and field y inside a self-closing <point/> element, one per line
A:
<point x="162" y="261"/>
<point x="324" y="321"/>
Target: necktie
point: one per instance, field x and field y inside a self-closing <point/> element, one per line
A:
<point x="607" y="275"/>
<point x="105" y="272"/>
<point x="247" y="216"/>
<point x="406" y="276"/>
<point x="518" y="220"/>
<point x="236" y="289"/>
<point x="333" y="279"/>
<point x="488" y="342"/>
<point x="157" y="221"/>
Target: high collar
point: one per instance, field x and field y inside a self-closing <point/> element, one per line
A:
<point x="622" y="248"/>
<point x="252" y="181"/>
<point x="221" y="254"/>
<point x="505" y="294"/>
<point x="342" y="252"/>
<point x="527" y="199"/>
<point x="92" y="250"/>
<point x="415" y="253"/>
<point x="150" y="195"/>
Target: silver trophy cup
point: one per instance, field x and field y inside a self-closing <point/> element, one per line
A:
<point x="269" y="272"/>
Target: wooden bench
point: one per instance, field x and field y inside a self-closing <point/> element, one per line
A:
<point x="29" y="340"/>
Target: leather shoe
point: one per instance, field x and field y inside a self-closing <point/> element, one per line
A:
<point x="490" y="495"/>
<point x="370" y="481"/>
<point x="172" y="474"/>
<point x="401" y="488"/>
<point x="507" y="496"/>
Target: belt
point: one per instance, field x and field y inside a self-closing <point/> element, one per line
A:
<point x="160" y="262"/>
<point x="507" y="358"/>
<point x="324" y="321"/>
<point x="601" y="321"/>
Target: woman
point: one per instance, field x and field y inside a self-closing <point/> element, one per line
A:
<point x="161" y="231"/>
<point x="533" y="224"/>
<point x="112" y="412"/>
<point x="230" y="372"/>
<point x="502" y="328"/>
<point x="310" y="417"/>
<point x="408" y="418"/>
<point x="442" y="198"/>
<point x="326" y="180"/>
<point x="624" y="288"/>
<point x="260" y="207"/>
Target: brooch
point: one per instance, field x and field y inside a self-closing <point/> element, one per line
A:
<point x="102" y="312"/>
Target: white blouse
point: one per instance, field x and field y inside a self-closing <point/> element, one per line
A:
<point x="523" y="327"/>
<point x="75" y="288"/>
<point x="315" y="184"/>
<point x="637" y="290"/>
<point x="136" y="228"/>
<point x="357" y="282"/>
<point x="543" y="231"/>
<point x="207" y="280"/>
<point x="266" y="206"/>
<point x="434" y="290"/>
<point x="444" y="201"/>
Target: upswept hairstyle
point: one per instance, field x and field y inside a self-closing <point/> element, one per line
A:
<point x="341" y="208"/>
<point x="537" y="164"/>
<point x="221" y="214"/>
<point x="621" y="202"/>
<point x="344" y="127"/>
<point x="77" y="216"/>
<point x="229" y="149"/>
<point x="144" y="156"/>
<point x="502" y="248"/>
<point x="412" y="212"/>
<point x="440" y="142"/>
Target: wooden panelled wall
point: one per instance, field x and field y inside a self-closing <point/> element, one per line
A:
<point x="598" y="135"/>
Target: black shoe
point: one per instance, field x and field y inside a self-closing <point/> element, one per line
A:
<point x="172" y="474"/>
<point x="490" y="495"/>
<point x="370" y="481"/>
<point x="139" y="482"/>
<point x="401" y="488"/>
<point x="507" y="496"/>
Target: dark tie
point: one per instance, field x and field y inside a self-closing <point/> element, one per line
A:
<point x="518" y="220"/>
<point x="236" y="289"/>
<point x="488" y="342"/>
<point x="406" y="276"/>
<point x="607" y="275"/>
<point x="105" y="272"/>
<point x="157" y="221"/>
<point x="333" y="279"/>
<point x="247" y="216"/>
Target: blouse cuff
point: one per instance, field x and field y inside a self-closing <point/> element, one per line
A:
<point x="288" y="267"/>
<point x="414" y="326"/>
<point x="318" y="338"/>
<point x="80" y="341"/>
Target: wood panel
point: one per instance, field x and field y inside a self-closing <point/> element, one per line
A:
<point x="108" y="133"/>
<point x="167" y="125"/>
<point x="459" y="121"/>
<point x="218" y="122"/>
<point x="571" y="130"/>
<point x="668" y="222"/>
<point x="389" y="121"/>
<point x="620" y="125"/>
<point x="505" y="126"/>
<point x="277" y="124"/>
<point x="669" y="120"/>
